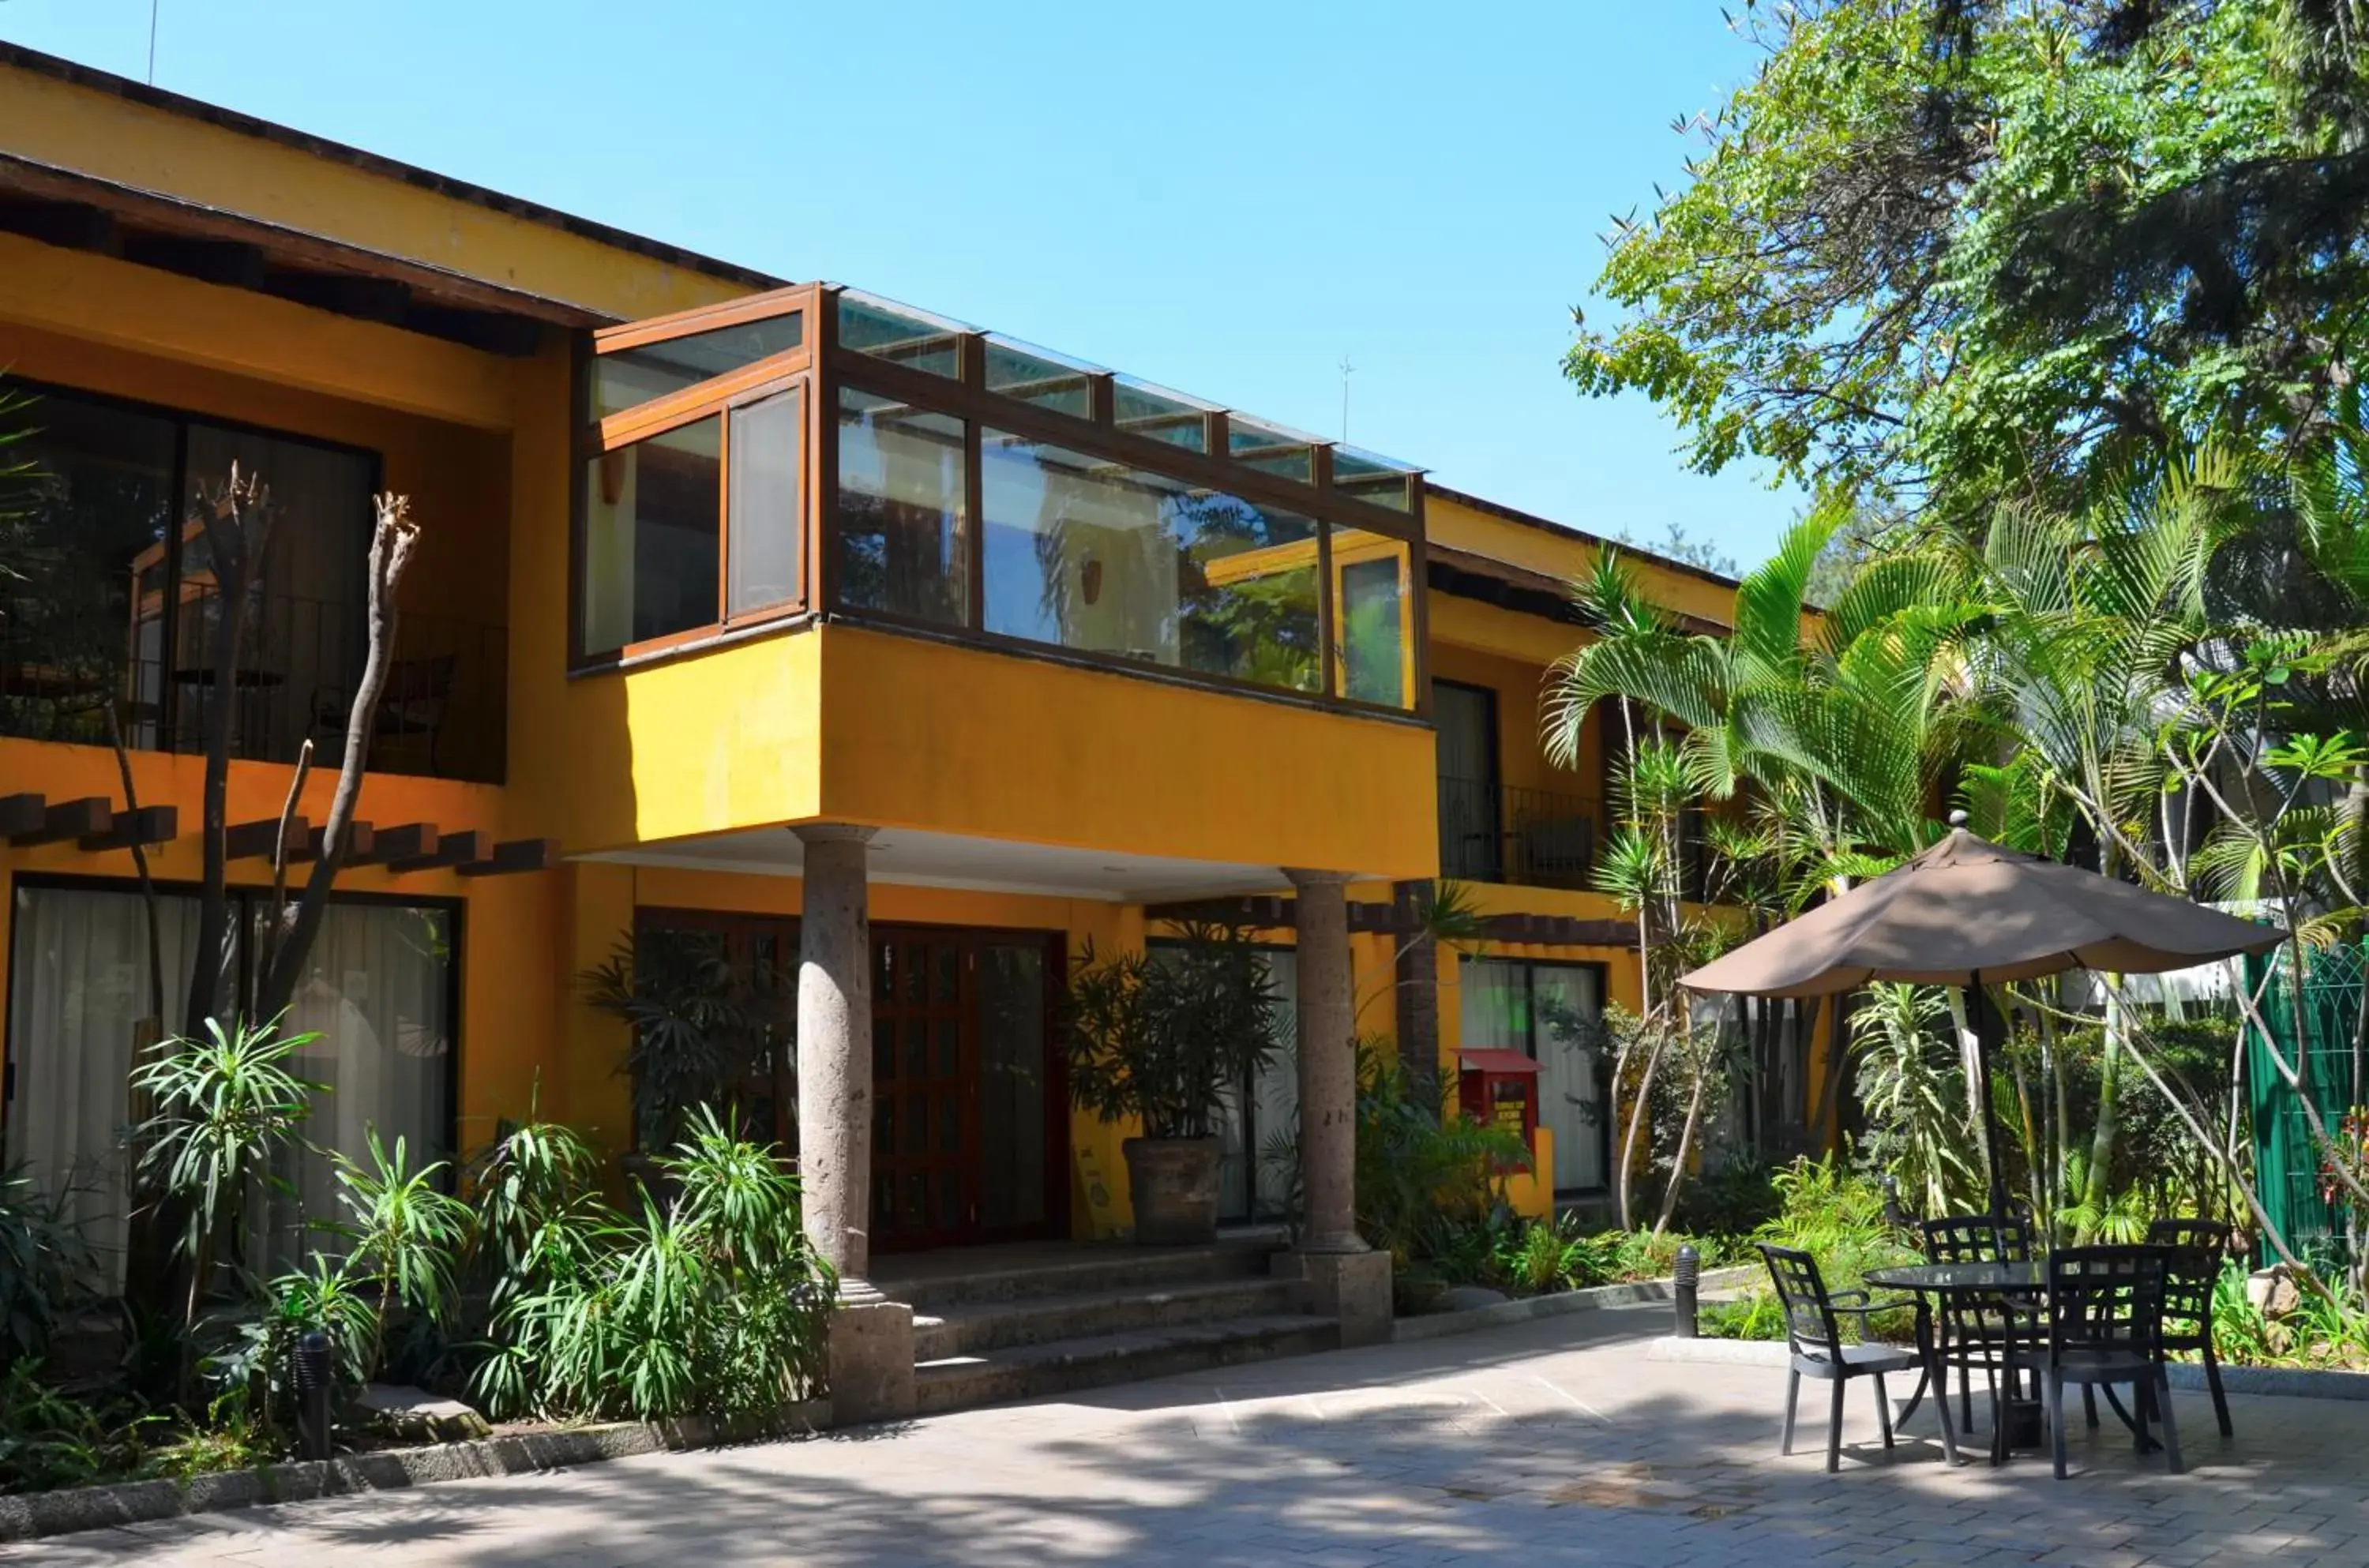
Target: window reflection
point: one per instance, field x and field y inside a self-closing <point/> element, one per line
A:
<point x="1147" y="410"/>
<point x="1370" y="604"/>
<point x="1037" y="376"/>
<point x="763" y="518"/>
<point x="1083" y="553"/>
<point x="650" y="537"/>
<point x="1271" y="448"/>
<point x="631" y="376"/>
<point x="898" y="333"/>
<point x="1370" y="478"/>
<point x="899" y="535"/>
<point x="86" y="545"/>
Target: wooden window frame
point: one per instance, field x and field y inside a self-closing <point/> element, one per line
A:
<point x="716" y="397"/>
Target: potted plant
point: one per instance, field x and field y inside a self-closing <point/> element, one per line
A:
<point x="1160" y="1037"/>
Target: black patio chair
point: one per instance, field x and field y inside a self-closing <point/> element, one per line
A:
<point x="1978" y="1332"/>
<point x="2197" y="1248"/>
<point x="1814" y="1337"/>
<point x="2105" y="1326"/>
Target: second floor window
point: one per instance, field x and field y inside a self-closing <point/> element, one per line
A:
<point x="114" y="602"/>
<point x="692" y="517"/>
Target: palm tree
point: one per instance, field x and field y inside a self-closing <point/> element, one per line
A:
<point x="1835" y="723"/>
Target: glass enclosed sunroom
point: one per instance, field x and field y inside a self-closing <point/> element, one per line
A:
<point x="817" y="450"/>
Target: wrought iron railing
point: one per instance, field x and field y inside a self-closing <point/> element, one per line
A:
<point x="1531" y="838"/>
<point x="443" y="711"/>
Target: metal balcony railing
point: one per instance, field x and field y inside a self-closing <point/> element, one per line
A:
<point x="443" y="714"/>
<point x="1530" y="838"/>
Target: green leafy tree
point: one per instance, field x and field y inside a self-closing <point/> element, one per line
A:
<point x="1934" y="247"/>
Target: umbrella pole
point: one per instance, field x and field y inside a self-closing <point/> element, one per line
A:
<point x="1984" y="1018"/>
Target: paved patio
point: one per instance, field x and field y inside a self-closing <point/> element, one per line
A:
<point x="1555" y="1442"/>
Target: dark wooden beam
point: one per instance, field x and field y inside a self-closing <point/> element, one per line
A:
<point x="22" y="813"/>
<point x="149" y="824"/>
<point x="232" y="263"/>
<point x="68" y="819"/>
<point x="412" y="840"/>
<point x="513" y="337"/>
<point x="452" y="849"/>
<point x="74" y="224"/>
<point x="514" y="856"/>
<point x="258" y="840"/>
<point x="360" y="839"/>
<point x="384" y="299"/>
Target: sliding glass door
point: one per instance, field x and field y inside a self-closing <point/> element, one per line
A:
<point x="378" y="993"/>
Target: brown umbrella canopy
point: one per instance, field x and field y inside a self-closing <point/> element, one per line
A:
<point x="1967" y="913"/>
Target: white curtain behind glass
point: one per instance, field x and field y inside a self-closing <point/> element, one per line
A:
<point x="1568" y="1085"/>
<point x="376" y="992"/>
<point x="79" y="990"/>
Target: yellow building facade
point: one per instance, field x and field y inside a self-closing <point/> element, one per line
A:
<point x="721" y="579"/>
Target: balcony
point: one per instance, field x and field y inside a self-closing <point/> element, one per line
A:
<point x="817" y="451"/>
<point x="1528" y="838"/>
<point x="62" y="665"/>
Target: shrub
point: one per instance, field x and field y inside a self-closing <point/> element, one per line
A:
<point x="45" y="1266"/>
<point x="49" y="1439"/>
<point x="713" y="1306"/>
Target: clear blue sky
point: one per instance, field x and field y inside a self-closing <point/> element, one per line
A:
<point x="1417" y="187"/>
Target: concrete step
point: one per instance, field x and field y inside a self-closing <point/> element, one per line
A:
<point x="1037" y="1319"/>
<point x="939" y="1281"/>
<point x="1064" y="1365"/>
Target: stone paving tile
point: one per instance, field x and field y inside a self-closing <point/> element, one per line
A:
<point x="1548" y="1443"/>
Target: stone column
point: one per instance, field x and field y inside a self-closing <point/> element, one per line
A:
<point x="1346" y="1280"/>
<point x="871" y="1355"/>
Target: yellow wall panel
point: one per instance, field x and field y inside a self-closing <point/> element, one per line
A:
<point x="98" y="133"/>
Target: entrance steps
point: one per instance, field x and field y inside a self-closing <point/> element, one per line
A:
<point x="992" y="1324"/>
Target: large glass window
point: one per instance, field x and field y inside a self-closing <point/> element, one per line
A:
<point x="650" y="545"/>
<point x="1143" y="410"/>
<point x="1552" y="1014"/>
<point x="115" y="598"/>
<point x="378" y="993"/>
<point x="765" y="523"/>
<point x="900" y="531"/>
<point x="89" y="544"/>
<point x="1087" y="554"/>
<point x="914" y="338"/>
<point x="1037" y="375"/>
<point x="693" y="510"/>
<point x="1371" y="478"/>
<point x="625" y="377"/>
<point x="1371" y="605"/>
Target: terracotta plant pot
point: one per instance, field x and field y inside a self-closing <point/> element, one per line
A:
<point x="1174" y="1181"/>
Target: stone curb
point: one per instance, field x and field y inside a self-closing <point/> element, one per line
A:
<point x="1435" y="1325"/>
<point x="39" y="1514"/>
<point x="2280" y="1382"/>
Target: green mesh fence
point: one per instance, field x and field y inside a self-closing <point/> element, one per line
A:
<point x="2286" y="1159"/>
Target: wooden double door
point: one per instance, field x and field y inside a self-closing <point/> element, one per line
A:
<point x="970" y="1104"/>
<point x="970" y="1116"/>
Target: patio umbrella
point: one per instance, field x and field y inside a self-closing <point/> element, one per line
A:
<point x="1966" y="911"/>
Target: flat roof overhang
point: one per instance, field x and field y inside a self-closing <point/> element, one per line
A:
<point x="82" y="211"/>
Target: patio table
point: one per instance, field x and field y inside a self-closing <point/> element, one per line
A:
<point x="1978" y="1280"/>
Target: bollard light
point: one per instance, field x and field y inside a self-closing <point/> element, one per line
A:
<point x="1682" y="1279"/>
<point x="313" y="1376"/>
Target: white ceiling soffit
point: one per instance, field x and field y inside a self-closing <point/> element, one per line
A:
<point x="991" y="865"/>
